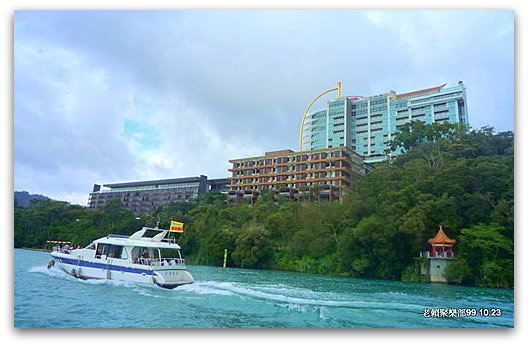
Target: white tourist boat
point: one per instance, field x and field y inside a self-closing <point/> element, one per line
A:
<point x="146" y="256"/>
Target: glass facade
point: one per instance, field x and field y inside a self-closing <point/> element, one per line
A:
<point x="150" y="187"/>
<point x="366" y="124"/>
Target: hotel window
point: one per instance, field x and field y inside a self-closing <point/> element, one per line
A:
<point x="379" y="101"/>
<point x="337" y="104"/>
<point x="377" y="109"/>
<point x="319" y="115"/>
<point x="340" y="111"/>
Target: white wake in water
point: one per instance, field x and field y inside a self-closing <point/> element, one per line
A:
<point x="58" y="273"/>
<point x="203" y="288"/>
<point x="53" y="271"/>
<point x="293" y="298"/>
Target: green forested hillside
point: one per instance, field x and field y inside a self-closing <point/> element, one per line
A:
<point x="447" y="175"/>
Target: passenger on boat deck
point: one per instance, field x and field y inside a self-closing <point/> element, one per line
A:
<point x="66" y="248"/>
<point x="172" y="262"/>
<point x="142" y="258"/>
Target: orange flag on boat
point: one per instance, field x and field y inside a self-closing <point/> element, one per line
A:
<point x="176" y="227"/>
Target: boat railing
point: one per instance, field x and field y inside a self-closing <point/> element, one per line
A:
<point x="61" y="249"/>
<point x="437" y="254"/>
<point x="169" y="240"/>
<point x="161" y="262"/>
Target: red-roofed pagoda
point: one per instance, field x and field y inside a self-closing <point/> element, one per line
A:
<point x="441" y="245"/>
<point x="439" y="257"/>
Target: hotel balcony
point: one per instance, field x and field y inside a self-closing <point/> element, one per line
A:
<point x="234" y="195"/>
<point x="250" y="194"/>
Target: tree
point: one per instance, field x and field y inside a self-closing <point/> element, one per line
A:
<point x="253" y="248"/>
<point x="485" y="257"/>
<point x="417" y="132"/>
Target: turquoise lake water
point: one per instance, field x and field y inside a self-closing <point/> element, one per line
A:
<point x="242" y="298"/>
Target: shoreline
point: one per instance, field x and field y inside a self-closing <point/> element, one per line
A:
<point x="339" y="275"/>
<point x="34" y="249"/>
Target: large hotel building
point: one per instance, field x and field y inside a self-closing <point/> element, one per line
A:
<point x="146" y="196"/>
<point x="365" y="124"/>
<point x="337" y="144"/>
<point x="295" y="174"/>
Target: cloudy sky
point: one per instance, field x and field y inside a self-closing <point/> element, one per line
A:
<point x="105" y="97"/>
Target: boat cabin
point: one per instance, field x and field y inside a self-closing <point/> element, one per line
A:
<point x="139" y="248"/>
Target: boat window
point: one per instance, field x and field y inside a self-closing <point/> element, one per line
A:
<point x="149" y="233"/>
<point x="135" y="253"/>
<point x="170" y="253"/>
<point x="91" y="246"/>
<point x="124" y="254"/>
<point x="114" y="251"/>
<point x="99" y="251"/>
<point x="111" y="251"/>
<point x="142" y="252"/>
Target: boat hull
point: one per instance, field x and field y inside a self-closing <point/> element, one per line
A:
<point x="126" y="272"/>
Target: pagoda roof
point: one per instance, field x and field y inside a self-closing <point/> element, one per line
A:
<point x="441" y="237"/>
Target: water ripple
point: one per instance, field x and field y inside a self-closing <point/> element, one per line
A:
<point x="233" y="298"/>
